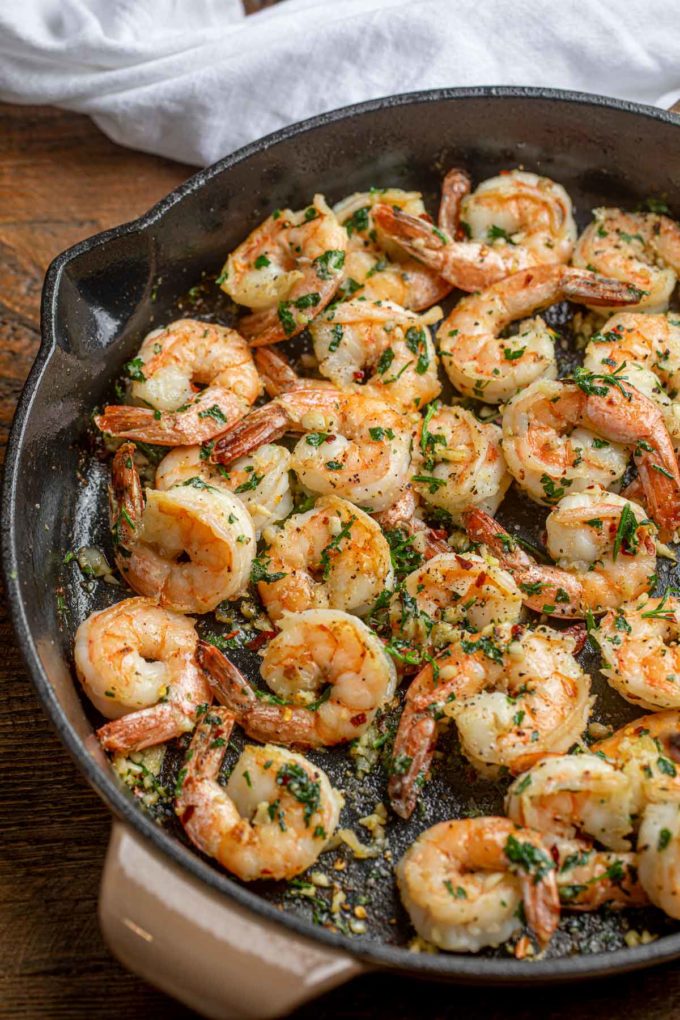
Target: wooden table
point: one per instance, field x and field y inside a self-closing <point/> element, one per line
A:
<point x="60" y="180"/>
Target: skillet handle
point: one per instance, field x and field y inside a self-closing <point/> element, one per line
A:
<point x="211" y="954"/>
<point x="675" y="108"/>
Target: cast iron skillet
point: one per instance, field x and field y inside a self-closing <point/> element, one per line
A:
<point x="101" y="296"/>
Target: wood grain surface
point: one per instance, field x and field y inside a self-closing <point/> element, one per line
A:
<point x="61" y="180"/>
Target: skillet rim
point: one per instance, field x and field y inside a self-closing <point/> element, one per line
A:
<point x="460" y="967"/>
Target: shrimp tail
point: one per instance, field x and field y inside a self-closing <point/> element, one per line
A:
<point x="541" y="905"/>
<point x="146" y="728"/>
<point x="276" y="372"/>
<point x="205" y="754"/>
<point x="590" y="288"/>
<point x="455" y="187"/>
<point x="229" y="685"/>
<point x="481" y="527"/>
<point x="208" y="415"/>
<point x="414" y="747"/>
<point x="126" y="498"/>
<point x="263" y="425"/>
<point x="416" y="236"/>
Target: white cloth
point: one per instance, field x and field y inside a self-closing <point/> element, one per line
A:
<point x="196" y="79"/>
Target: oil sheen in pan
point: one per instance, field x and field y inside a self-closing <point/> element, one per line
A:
<point x="455" y="790"/>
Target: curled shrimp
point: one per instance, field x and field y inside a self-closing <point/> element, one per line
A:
<point x="137" y="664"/>
<point x="641" y="249"/>
<point x="463" y="464"/>
<point x="641" y="657"/>
<point x="540" y="704"/>
<point x="588" y="878"/>
<point x="463" y="882"/>
<point x="376" y="267"/>
<point x="481" y="363"/>
<point x="603" y="546"/>
<point x="647" y="750"/>
<point x="287" y="271"/>
<point x="271" y="820"/>
<point x="451" y="591"/>
<point x="330" y="675"/>
<point x="170" y="362"/>
<point x="659" y="855"/>
<point x="381" y="348"/>
<point x="575" y="794"/>
<point x="260" y="480"/>
<point x="555" y="438"/>
<point x="332" y="556"/>
<point x="190" y="547"/>
<point x="521" y="210"/>
<point x="645" y="349"/>
<point x="354" y="445"/>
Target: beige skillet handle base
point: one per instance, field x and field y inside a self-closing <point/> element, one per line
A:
<point x="211" y="954"/>
<point x="675" y="108"/>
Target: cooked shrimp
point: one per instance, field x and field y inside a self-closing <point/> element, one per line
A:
<point x="190" y="547"/>
<point x="463" y="882"/>
<point x="330" y="675"/>
<point x="452" y="591"/>
<point x="481" y="363"/>
<point x="271" y="820"/>
<point x="648" y="751"/>
<point x="575" y="794"/>
<point x="522" y="210"/>
<point x="261" y="480"/>
<point x="171" y="361"/>
<point x="652" y="341"/>
<point x="559" y="436"/>
<point x="588" y="879"/>
<point x="603" y="546"/>
<point x="356" y="446"/>
<point x="333" y="556"/>
<point x="540" y="705"/>
<point x="659" y="855"/>
<point x="463" y="464"/>
<point x="380" y="348"/>
<point x="468" y="265"/>
<point x="137" y="665"/>
<point x="376" y="267"/>
<point x="645" y="349"/>
<point x="287" y="271"/>
<point x="641" y="657"/>
<point x="641" y="249"/>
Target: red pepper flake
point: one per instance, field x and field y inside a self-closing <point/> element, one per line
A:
<point x="358" y="720"/>
<point x="260" y="640"/>
<point x="358" y="376"/>
<point x="439" y="532"/>
<point x="517" y="630"/>
<point x="465" y="564"/>
<point x="481" y="580"/>
<point x="426" y="216"/>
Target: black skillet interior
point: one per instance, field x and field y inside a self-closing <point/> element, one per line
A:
<point x="102" y="296"/>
